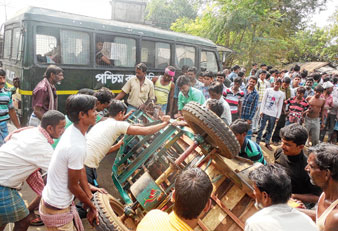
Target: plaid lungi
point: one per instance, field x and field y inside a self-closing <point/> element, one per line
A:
<point x="12" y="206"/>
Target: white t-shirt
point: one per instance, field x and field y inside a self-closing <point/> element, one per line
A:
<point x="272" y="102"/>
<point x="100" y="139"/>
<point x="226" y="115"/>
<point x="23" y="154"/>
<point x="70" y="153"/>
<point x="279" y="217"/>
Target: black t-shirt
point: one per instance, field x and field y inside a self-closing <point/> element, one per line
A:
<point x="295" y="168"/>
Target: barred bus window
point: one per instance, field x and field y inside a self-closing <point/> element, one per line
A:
<point x="7" y="45"/>
<point x="185" y="55"/>
<point x="75" y="47"/>
<point x="209" y="61"/>
<point x="17" y="44"/>
<point x="155" y="54"/>
<point x="47" y="48"/>
<point x="118" y="51"/>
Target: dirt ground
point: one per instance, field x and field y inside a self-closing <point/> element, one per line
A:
<point x="105" y="181"/>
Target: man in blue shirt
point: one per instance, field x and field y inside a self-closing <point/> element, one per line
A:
<point x="234" y="73"/>
<point x="6" y="108"/>
<point x="250" y="102"/>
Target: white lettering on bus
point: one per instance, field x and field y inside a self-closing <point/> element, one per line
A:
<point x="117" y="78"/>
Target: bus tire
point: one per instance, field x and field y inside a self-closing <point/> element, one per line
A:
<point x="201" y="120"/>
<point x="108" y="208"/>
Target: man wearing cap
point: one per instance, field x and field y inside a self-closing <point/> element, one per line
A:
<point x="164" y="89"/>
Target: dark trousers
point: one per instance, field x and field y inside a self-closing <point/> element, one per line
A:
<point x="280" y="124"/>
<point x="329" y="126"/>
<point x="270" y="120"/>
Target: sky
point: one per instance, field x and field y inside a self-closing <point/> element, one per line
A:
<point x="102" y="8"/>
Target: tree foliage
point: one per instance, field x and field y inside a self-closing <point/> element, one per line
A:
<point x="269" y="31"/>
<point x="162" y="13"/>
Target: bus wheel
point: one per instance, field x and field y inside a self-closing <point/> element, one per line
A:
<point x="110" y="212"/>
<point x="204" y="122"/>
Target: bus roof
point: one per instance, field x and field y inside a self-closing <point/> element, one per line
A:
<point x="69" y="19"/>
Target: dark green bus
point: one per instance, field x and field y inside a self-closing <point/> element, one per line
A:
<point x="38" y="37"/>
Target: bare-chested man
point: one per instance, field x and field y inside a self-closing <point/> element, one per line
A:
<point x="314" y="114"/>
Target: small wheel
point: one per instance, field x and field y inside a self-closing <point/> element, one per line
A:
<point x="203" y="121"/>
<point x="110" y="210"/>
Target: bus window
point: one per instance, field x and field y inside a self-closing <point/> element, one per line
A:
<point x="155" y="54"/>
<point x="209" y="61"/>
<point x="7" y="45"/>
<point x="17" y="43"/>
<point x="47" y="47"/>
<point x="185" y="55"/>
<point x="119" y="51"/>
<point x="75" y="47"/>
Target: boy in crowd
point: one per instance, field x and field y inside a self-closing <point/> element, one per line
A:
<point x="296" y="107"/>
<point x="281" y="120"/>
<point x="215" y="91"/>
<point x="315" y="114"/>
<point x="234" y="97"/>
<point x="208" y="79"/>
<point x="7" y="108"/>
<point x="250" y="102"/>
<point x="220" y="77"/>
<point x="262" y="85"/>
<point x="271" y="108"/>
<point x="187" y="93"/>
<point x="249" y="149"/>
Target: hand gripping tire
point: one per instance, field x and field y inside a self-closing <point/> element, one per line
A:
<point x="109" y="209"/>
<point x="203" y="121"/>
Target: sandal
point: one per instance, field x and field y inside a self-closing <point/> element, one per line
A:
<point x="36" y="221"/>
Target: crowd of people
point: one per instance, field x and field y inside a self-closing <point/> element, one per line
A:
<point x="58" y="155"/>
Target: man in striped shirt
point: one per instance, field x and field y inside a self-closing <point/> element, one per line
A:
<point x="296" y="107"/>
<point x="234" y="96"/>
<point x="7" y="110"/>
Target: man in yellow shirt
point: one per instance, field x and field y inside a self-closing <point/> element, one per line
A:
<point x="191" y="199"/>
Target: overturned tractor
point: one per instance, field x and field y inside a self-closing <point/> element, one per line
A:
<point x="145" y="169"/>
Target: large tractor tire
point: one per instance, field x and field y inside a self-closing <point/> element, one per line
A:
<point x="204" y="122"/>
<point x="109" y="211"/>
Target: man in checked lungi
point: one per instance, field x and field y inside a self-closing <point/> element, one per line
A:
<point x="24" y="153"/>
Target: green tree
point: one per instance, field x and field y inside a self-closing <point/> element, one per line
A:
<point x="163" y="13"/>
<point x="257" y="30"/>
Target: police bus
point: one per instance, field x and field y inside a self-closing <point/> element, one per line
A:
<point x="38" y="37"/>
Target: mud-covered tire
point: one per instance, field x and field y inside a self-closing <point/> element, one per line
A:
<point x="108" y="208"/>
<point x="203" y="121"/>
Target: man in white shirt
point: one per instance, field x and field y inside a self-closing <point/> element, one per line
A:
<point x="216" y="92"/>
<point x="272" y="190"/>
<point x="25" y="151"/>
<point x="66" y="177"/>
<point x="271" y="108"/>
<point x="103" y="135"/>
